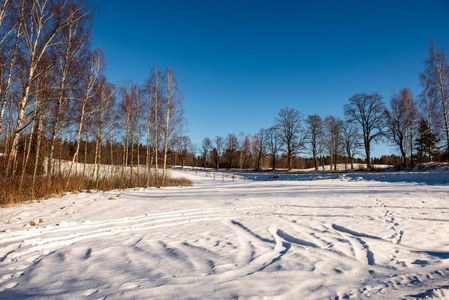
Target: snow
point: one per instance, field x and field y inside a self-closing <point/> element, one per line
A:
<point x="302" y="236"/>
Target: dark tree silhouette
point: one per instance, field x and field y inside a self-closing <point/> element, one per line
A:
<point x="369" y="112"/>
<point x="289" y="123"/>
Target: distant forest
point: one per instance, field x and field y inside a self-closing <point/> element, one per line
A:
<point x="57" y="105"/>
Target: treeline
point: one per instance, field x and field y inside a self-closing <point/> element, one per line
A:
<point x="417" y="126"/>
<point x="57" y="106"/>
<point x="61" y="119"/>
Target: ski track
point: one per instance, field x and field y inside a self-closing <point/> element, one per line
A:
<point x="207" y="251"/>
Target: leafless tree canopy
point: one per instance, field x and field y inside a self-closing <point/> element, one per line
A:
<point x="369" y="112"/>
<point x="401" y="121"/>
<point x="289" y="123"/>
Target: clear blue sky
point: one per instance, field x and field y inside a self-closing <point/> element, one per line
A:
<point x="239" y="62"/>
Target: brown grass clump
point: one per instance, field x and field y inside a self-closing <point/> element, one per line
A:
<point x="12" y="192"/>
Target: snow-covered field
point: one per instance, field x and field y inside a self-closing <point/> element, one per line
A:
<point x="376" y="236"/>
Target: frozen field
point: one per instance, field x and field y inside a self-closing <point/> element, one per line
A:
<point x="361" y="236"/>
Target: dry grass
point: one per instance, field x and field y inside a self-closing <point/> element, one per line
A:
<point x="11" y="193"/>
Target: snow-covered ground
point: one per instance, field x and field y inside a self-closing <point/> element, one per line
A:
<point x="312" y="236"/>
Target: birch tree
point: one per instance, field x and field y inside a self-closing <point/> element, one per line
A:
<point x="104" y="116"/>
<point x="41" y="20"/>
<point x="9" y="47"/>
<point x="154" y="88"/>
<point x="437" y="75"/>
<point x="94" y="66"/>
<point x="71" y="51"/>
<point x="172" y="111"/>
<point x="43" y="95"/>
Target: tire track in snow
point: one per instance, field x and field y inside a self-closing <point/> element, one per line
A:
<point x="23" y="251"/>
<point x="66" y="226"/>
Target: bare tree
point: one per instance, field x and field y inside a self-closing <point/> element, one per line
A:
<point x="41" y="20"/>
<point x="43" y="94"/>
<point x="125" y="110"/>
<point x="173" y="113"/>
<point x="73" y="42"/>
<point x="260" y="142"/>
<point x="437" y="75"/>
<point x="369" y="112"/>
<point x="103" y="119"/>
<point x="314" y="134"/>
<point x="401" y="119"/>
<point x="153" y="90"/>
<point x="8" y="51"/>
<point x="232" y="145"/>
<point x="184" y="147"/>
<point x="5" y="11"/>
<point x="289" y="122"/>
<point x="333" y="138"/>
<point x="94" y="66"/>
<point x="217" y="151"/>
<point x="351" y="140"/>
<point x="245" y="143"/>
<point x="429" y="106"/>
<point x="206" y="146"/>
<point x="273" y="144"/>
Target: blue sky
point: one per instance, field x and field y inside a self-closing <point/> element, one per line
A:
<point x="239" y="62"/>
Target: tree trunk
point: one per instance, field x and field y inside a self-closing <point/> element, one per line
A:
<point x="60" y="152"/>
<point x="368" y="156"/>
<point x="50" y="170"/>
<point x="25" y="161"/>
<point x="85" y="156"/>
<point x="8" y="81"/>
<point x="38" y="146"/>
<point x="77" y="147"/>
<point x="147" y="157"/>
<point x="23" y="106"/>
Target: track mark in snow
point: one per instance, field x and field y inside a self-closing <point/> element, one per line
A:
<point x="294" y="240"/>
<point x="268" y="258"/>
<point x="439" y="254"/>
<point x="369" y="253"/>
<point x="354" y="233"/>
<point x="106" y="228"/>
<point x="251" y="232"/>
<point x="360" y="248"/>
